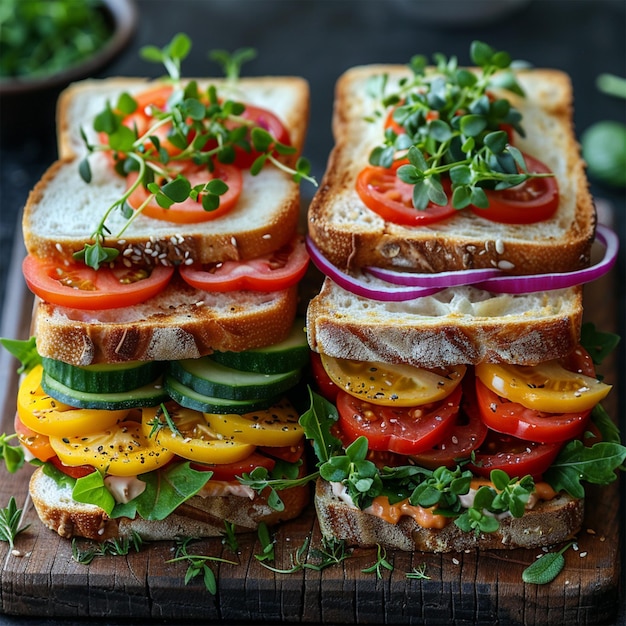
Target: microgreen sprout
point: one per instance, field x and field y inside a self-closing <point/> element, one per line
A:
<point x="203" y="129"/>
<point x="418" y="573"/>
<point x="331" y="552"/>
<point x="267" y="544"/>
<point x="453" y="125"/>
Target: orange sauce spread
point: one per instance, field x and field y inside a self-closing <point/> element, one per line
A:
<point x="426" y="518"/>
<point x="393" y="512"/>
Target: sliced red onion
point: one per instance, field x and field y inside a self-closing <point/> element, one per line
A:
<point x="442" y="280"/>
<point x="360" y="287"/>
<point x="562" y="280"/>
<point x="419" y="285"/>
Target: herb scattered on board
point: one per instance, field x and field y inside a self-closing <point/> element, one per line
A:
<point x="10" y="518"/>
<point x="119" y="546"/>
<point x="196" y="118"/>
<point x="198" y="565"/>
<point x="453" y="124"/>
<point x="546" y="568"/>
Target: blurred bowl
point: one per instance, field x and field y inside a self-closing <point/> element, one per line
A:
<point x="34" y="99"/>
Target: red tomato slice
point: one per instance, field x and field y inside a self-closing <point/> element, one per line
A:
<point x="467" y="434"/>
<point x="383" y="192"/>
<point x="78" y="286"/>
<point x="325" y="386"/>
<point x="230" y="471"/>
<point x="290" y="454"/>
<point x="191" y="211"/>
<point x="75" y="472"/>
<point x="281" y="269"/>
<point x="397" y="429"/>
<point x="36" y="443"/>
<point x="514" y="456"/>
<point x="515" y="419"/>
<point x="512" y="418"/>
<point x="535" y="200"/>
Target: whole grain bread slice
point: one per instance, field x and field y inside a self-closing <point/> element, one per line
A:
<point x="460" y="325"/>
<point x="63" y="211"/>
<point x="548" y="523"/>
<point x="352" y="236"/>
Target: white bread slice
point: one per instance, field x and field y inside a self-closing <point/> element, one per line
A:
<point x="198" y="517"/>
<point x="179" y="323"/>
<point x="63" y="211"/>
<point x="462" y="325"/>
<point x="548" y="523"/>
<point x="352" y="236"/>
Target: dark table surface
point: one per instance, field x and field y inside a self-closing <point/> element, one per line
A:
<point x="319" y="40"/>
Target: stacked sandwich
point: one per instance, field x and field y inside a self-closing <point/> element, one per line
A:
<point x="455" y="227"/>
<point x="164" y="255"/>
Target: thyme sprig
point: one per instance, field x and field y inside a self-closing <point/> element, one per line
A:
<point x="118" y="546"/>
<point x="331" y="552"/>
<point x="452" y="125"/>
<point x="203" y="128"/>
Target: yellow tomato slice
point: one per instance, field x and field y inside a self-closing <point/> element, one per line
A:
<point x="47" y="416"/>
<point x="276" y="426"/>
<point x="194" y="440"/>
<point x="388" y="384"/>
<point x="122" y="450"/>
<point x="545" y="387"/>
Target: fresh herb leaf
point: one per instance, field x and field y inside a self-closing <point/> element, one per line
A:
<point x="576" y="462"/>
<point x="25" y="351"/>
<point x="317" y="422"/>
<point x="118" y="546"/>
<point x="380" y="564"/>
<point x="166" y="489"/>
<point x="229" y="537"/>
<point x="418" y="573"/>
<point x="10" y="517"/>
<point x="91" y="489"/>
<point x="546" y="568"/>
<point x="198" y="565"/>
<point x="599" y="344"/>
<point x="13" y="456"/>
<point x="267" y="544"/>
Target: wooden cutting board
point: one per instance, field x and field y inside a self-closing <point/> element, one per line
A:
<point x="468" y="588"/>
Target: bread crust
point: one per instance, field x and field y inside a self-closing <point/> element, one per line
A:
<point x="546" y="524"/>
<point x="459" y="326"/>
<point x="198" y="517"/>
<point x="352" y="236"/>
<point x="179" y="323"/>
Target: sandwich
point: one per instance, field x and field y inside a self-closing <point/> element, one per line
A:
<point x="458" y="406"/>
<point x="166" y="351"/>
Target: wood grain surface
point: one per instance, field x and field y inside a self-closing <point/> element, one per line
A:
<point x="467" y="588"/>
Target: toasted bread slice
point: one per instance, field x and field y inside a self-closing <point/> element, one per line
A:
<point x="352" y="236"/>
<point x="461" y="325"/>
<point x="179" y="323"/>
<point x="200" y="516"/>
<point x="63" y="211"/>
<point x="549" y="522"/>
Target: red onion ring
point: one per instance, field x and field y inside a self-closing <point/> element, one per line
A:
<point x="453" y="278"/>
<point x="361" y="288"/>
<point x="559" y="280"/>
<point x="418" y="285"/>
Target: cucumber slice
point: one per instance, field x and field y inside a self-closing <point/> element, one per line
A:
<point x="105" y="377"/>
<point x="290" y="354"/>
<point x="187" y="397"/>
<point x="146" y="395"/>
<point x="212" y="379"/>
